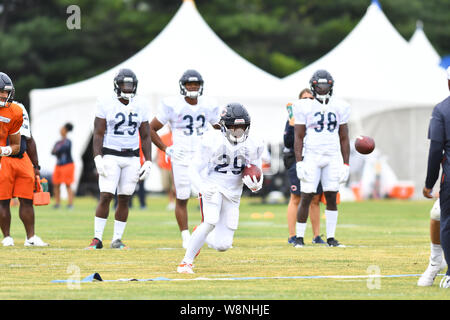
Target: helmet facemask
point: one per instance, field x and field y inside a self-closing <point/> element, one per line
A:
<point x="193" y="94"/>
<point x="4" y="102"/>
<point x="127" y="88"/>
<point x="236" y="133"/>
<point x="322" y="89"/>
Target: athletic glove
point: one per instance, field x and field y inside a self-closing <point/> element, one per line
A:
<point x="145" y="170"/>
<point x="252" y="183"/>
<point x="5" y="151"/>
<point x="175" y="154"/>
<point x="100" y="165"/>
<point x="301" y="172"/>
<point x="207" y="191"/>
<point x="345" y="171"/>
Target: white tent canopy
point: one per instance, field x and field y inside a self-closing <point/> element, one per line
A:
<point x="390" y="89"/>
<point x="375" y="65"/>
<point x="187" y="42"/>
<point x="420" y="44"/>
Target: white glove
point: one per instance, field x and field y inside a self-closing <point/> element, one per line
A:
<point x="345" y="171"/>
<point x="175" y="154"/>
<point x="301" y="172"/>
<point x="145" y="170"/>
<point x="208" y="191"/>
<point x="100" y="165"/>
<point x="5" y="151"/>
<point x="252" y="183"/>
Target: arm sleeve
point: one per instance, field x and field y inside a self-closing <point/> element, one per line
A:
<point x="289" y="137"/>
<point x="434" y="162"/>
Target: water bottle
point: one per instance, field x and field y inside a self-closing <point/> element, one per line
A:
<point x="44" y="184"/>
<point x="289" y="110"/>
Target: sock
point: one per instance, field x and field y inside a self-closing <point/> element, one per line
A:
<point x="185" y="235"/>
<point x="300" y="229"/>
<point x="331" y="222"/>
<point x="436" y="254"/>
<point x="99" y="226"/>
<point x="197" y="240"/>
<point x="119" y="228"/>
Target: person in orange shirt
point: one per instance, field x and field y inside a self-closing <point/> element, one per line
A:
<point x="165" y="165"/>
<point x="17" y="175"/>
<point x="64" y="168"/>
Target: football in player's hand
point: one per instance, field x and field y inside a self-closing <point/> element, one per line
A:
<point x="252" y="170"/>
<point x="364" y="144"/>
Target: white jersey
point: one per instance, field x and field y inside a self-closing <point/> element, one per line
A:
<point x="25" y="129"/>
<point x="188" y="122"/>
<point x="322" y="123"/>
<point x="221" y="162"/>
<point x="122" y="121"/>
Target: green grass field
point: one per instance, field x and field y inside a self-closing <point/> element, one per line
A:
<point x="389" y="236"/>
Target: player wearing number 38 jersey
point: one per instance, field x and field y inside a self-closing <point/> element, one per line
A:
<point x="322" y="150"/>
<point x="189" y="115"/>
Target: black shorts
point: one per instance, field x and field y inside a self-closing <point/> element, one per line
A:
<point x="295" y="182"/>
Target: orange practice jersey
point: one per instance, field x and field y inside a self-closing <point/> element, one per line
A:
<point x="11" y="119"/>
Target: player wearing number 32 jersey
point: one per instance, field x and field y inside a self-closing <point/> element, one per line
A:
<point x="189" y="115"/>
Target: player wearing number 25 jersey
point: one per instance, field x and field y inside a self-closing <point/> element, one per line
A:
<point x="189" y="115"/>
<point x="216" y="171"/>
<point x="322" y="150"/>
<point x="119" y="122"/>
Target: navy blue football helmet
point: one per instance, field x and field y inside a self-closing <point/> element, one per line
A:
<point x="321" y="84"/>
<point x="6" y="85"/>
<point x="191" y="76"/>
<point x="125" y="84"/>
<point x="235" y="114"/>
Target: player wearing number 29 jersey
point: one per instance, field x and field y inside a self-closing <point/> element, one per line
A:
<point x="217" y="172"/>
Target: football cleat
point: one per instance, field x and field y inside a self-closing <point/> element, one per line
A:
<point x="445" y="282"/>
<point x="332" y="242"/>
<point x="95" y="244"/>
<point x="292" y="239"/>
<point x="8" y="242"/>
<point x="35" y="241"/>
<point x="318" y="239"/>
<point x="427" y="278"/>
<point x="298" y="242"/>
<point x="118" y="244"/>
<point x="185" y="268"/>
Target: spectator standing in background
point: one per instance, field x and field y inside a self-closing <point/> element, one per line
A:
<point x="65" y="168"/>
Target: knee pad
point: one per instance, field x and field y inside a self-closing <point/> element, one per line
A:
<point x="435" y="212"/>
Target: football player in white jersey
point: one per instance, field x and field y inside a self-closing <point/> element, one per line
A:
<point x="188" y="116"/>
<point x="322" y="150"/>
<point x="216" y="171"/>
<point x="119" y="121"/>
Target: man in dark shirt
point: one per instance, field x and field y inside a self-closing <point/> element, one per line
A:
<point x="439" y="135"/>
